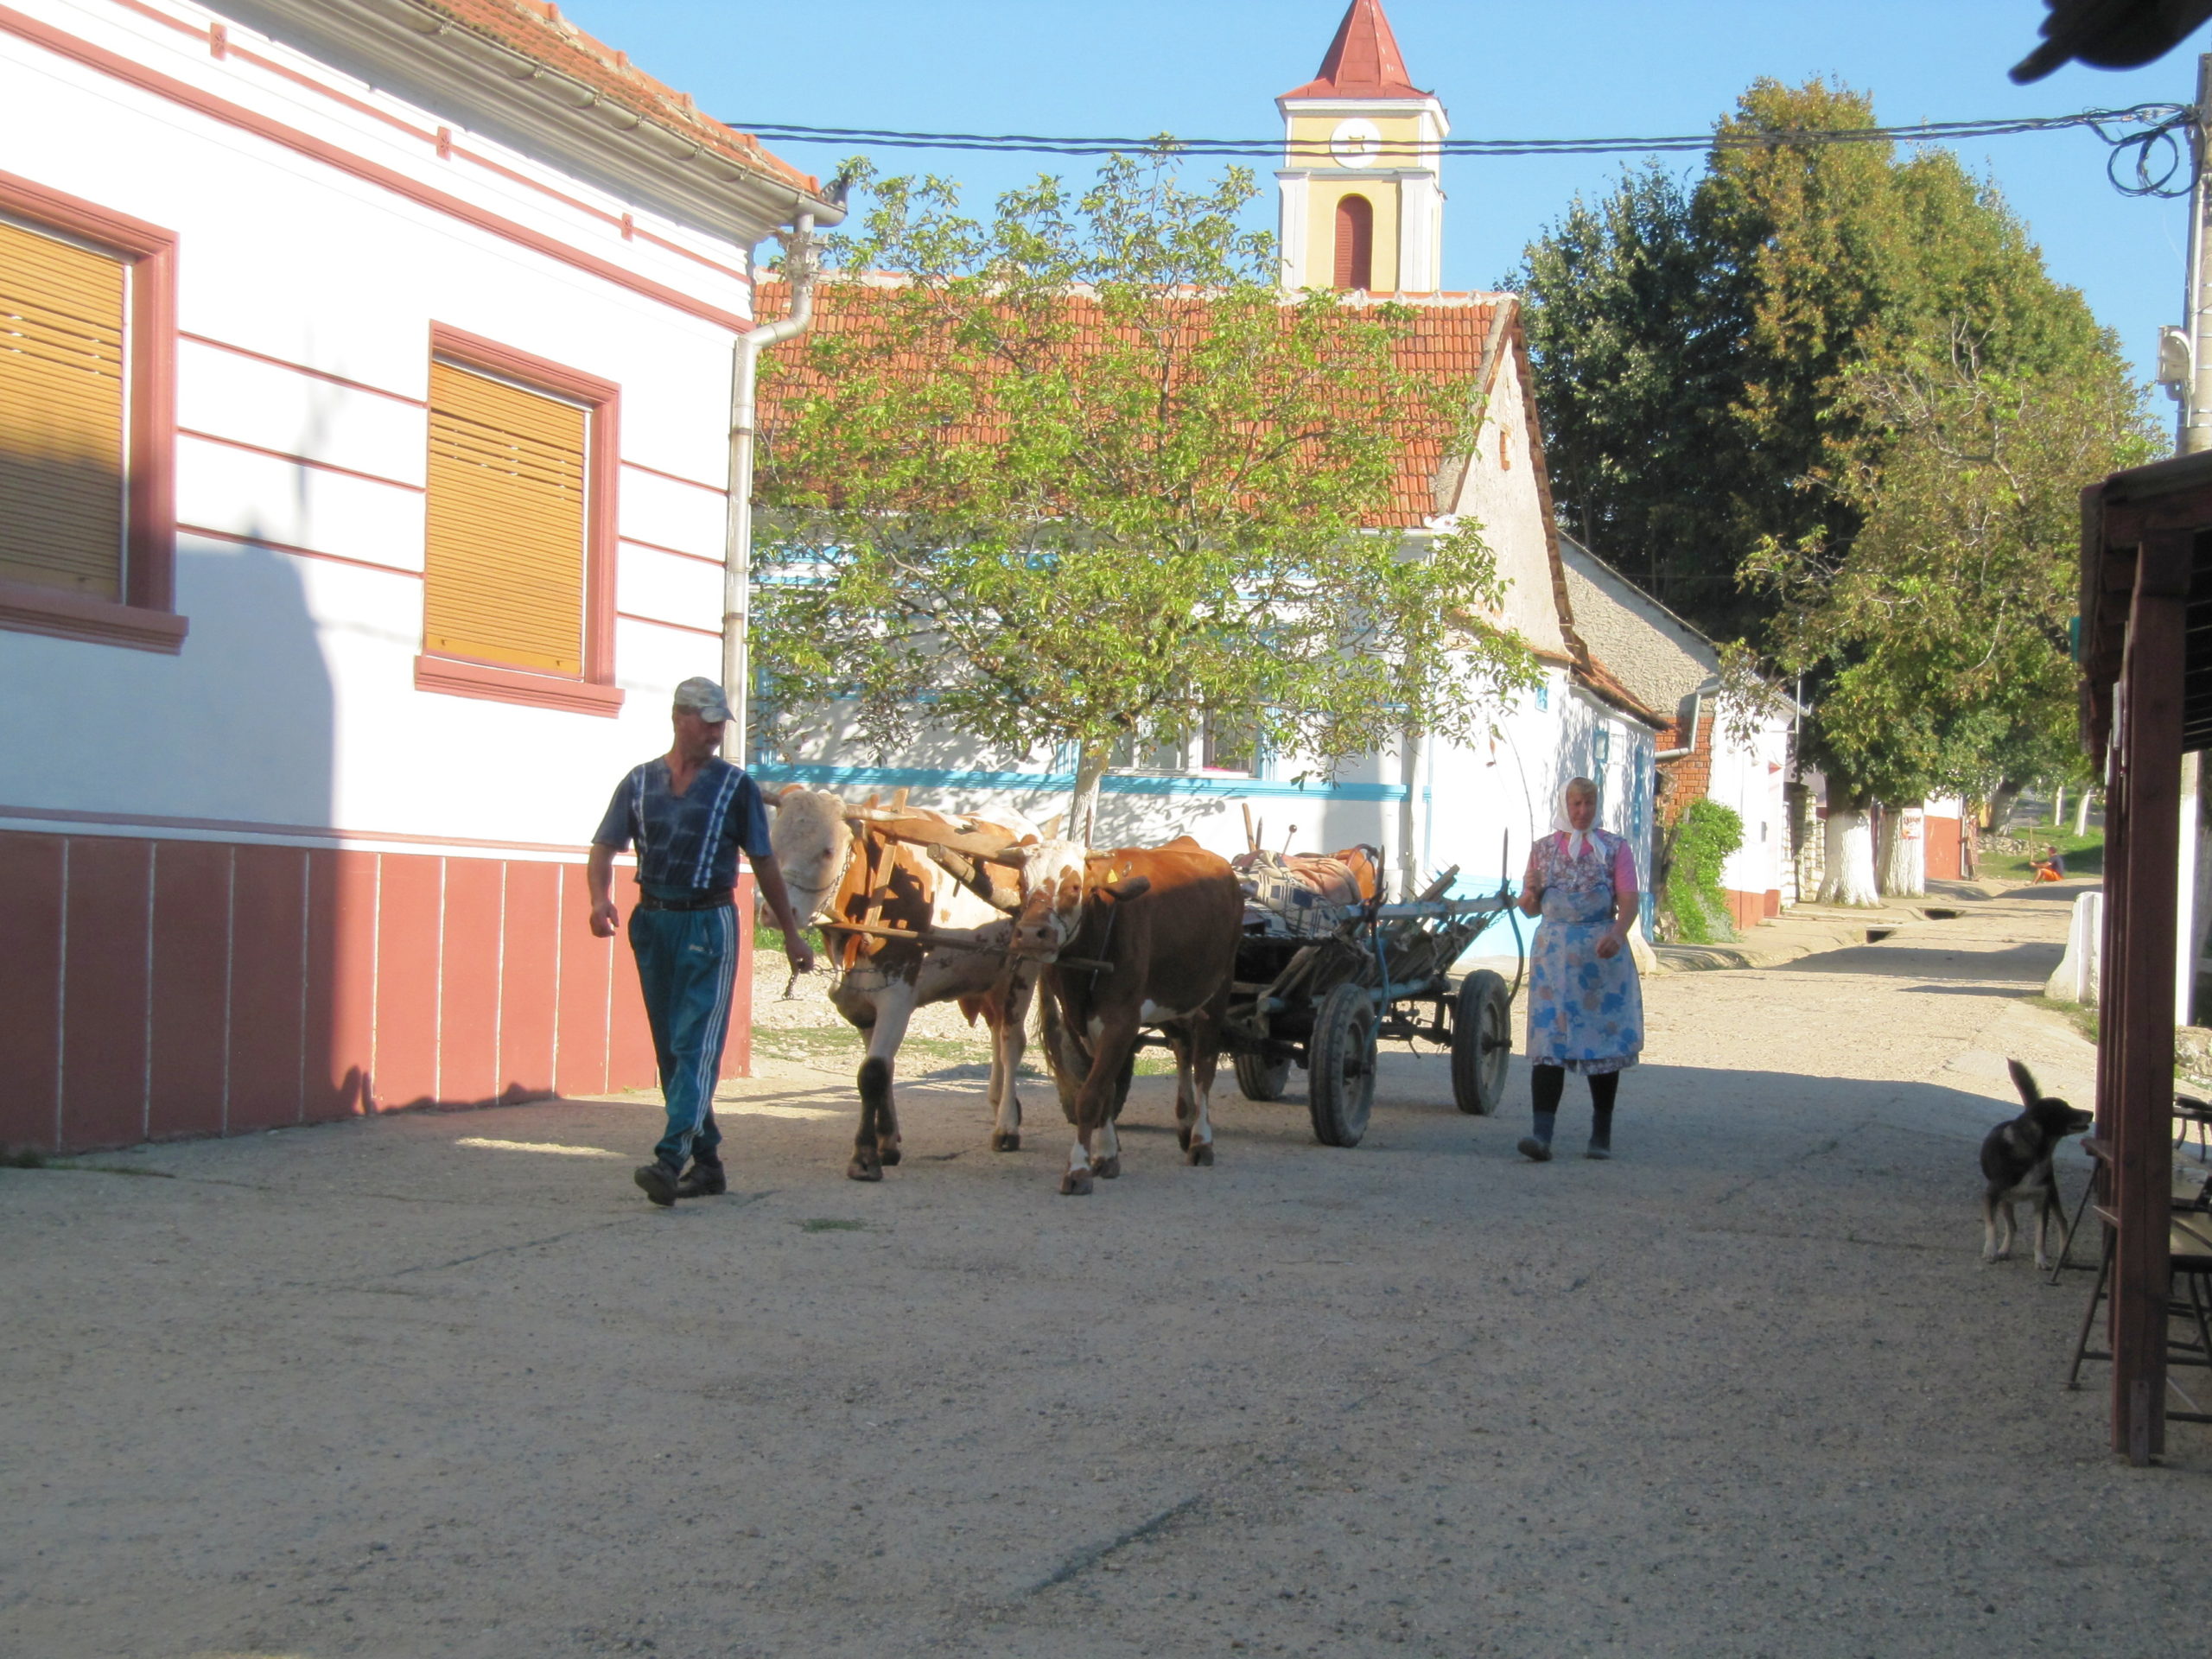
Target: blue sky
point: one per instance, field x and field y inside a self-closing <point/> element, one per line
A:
<point x="1571" y="68"/>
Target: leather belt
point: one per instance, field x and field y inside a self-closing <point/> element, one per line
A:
<point x="720" y="900"/>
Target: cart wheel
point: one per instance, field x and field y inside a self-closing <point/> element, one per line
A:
<point x="1482" y="1042"/>
<point x="1340" y="1069"/>
<point x="1262" y="1077"/>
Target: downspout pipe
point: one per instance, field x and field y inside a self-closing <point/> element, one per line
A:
<point x="1697" y="707"/>
<point x="737" y="535"/>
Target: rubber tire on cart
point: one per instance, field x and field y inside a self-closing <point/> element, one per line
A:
<point x="1340" y="1065"/>
<point x="1262" y="1077"/>
<point x="1482" y="1042"/>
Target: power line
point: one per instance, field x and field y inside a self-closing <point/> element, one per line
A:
<point x="2149" y="121"/>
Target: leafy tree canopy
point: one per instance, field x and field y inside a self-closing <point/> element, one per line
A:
<point x="1082" y="475"/>
<point x="1692" y="342"/>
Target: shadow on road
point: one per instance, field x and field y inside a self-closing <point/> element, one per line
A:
<point x="2022" y="963"/>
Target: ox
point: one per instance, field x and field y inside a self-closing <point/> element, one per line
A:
<point x="1151" y="935"/>
<point x="844" y="867"/>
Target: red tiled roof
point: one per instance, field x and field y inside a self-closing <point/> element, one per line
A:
<point x="1449" y="339"/>
<point x="537" y="30"/>
<point x="1364" y="61"/>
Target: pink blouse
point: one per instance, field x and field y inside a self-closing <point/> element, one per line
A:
<point x="1623" y="856"/>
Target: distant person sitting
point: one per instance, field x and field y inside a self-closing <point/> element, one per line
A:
<point x="2051" y="866"/>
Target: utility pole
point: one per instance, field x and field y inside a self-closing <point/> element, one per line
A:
<point x="2185" y="353"/>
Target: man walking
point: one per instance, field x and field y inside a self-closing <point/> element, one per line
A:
<point x="690" y="814"/>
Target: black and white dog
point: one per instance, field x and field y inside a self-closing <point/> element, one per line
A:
<point x="2016" y="1160"/>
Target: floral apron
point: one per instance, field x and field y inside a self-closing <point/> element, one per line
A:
<point x="1585" y="1013"/>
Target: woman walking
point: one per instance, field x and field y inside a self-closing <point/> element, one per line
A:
<point x="1586" y="1007"/>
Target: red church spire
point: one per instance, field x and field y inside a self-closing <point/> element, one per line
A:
<point x="1364" y="61"/>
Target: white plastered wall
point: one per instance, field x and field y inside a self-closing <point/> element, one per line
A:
<point x="292" y="702"/>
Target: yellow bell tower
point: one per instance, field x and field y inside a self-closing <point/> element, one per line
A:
<point x="1362" y="207"/>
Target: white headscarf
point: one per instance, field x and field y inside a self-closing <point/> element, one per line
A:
<point x="1577" y="840"/>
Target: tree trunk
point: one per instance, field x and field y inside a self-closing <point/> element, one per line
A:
<point x="2058" y="807"/>
<point x="1083" y="801"/>
<point x="1849" y="878"/>
<point x="1904" y="858"/>
<point x="2081" y="813"/>
<point x="2000" y="806"/>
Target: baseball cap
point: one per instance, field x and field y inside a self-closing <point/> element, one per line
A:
<point x="703" y="698"/>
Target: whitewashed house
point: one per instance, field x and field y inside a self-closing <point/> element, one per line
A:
<point x="1668" y="665"/>
<point x="1360" y="210"/>
<point x="365" y="401"/>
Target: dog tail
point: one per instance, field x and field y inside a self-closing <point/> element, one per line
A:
<point x="2025" y="1081"/>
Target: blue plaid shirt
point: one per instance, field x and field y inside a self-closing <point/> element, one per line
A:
<point x="687" y="843"/>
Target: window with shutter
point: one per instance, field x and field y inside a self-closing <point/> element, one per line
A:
<point x="63" y="407"/>
<point x="505" y="562"/>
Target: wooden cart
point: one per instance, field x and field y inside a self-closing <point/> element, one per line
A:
<point x="1326" y="1000"/>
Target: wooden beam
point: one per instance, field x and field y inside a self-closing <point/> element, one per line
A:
<point x="2141" y="1031"/>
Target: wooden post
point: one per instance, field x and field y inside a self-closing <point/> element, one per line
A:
<point x="2139" y="1028"/>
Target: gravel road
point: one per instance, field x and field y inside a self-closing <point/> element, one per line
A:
<point x="445" y="1385"/>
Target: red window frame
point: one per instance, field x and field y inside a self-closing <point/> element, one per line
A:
<point x="596" y="693"/>
<point x="145" y="618"/>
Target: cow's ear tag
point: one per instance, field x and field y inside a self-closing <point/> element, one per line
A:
<point x="1136" y="886"/>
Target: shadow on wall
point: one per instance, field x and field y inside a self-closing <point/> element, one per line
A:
<point x="175" y="986"/>
<point x="162" y="987"/>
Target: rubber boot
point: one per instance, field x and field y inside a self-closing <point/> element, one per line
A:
<point x="1601" y="1132"/>
<point x="1537" y="1147"/>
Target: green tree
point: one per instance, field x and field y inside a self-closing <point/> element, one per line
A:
<point x="1825" y="336"/>
<point x="1939" y="633"/>
<point x="1692" y="344"/>
<point x="1082" y="476"/>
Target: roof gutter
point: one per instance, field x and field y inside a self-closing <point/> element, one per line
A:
<point x="737" y="539"/>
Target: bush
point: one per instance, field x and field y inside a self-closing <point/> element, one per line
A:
<point x="1693" y="907"/>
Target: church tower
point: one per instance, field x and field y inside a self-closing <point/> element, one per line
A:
<point x="1361" y="204"/>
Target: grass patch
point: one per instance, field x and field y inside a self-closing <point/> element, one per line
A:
<point x="2080" y="1015"/>
<point x="2084" y="855"/>
<point x="831" y="1224"/>
<point x="21" y="1158"/>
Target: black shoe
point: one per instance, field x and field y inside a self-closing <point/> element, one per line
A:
<point x="1598" y="1150"/>
<point x="703" y="1181"/>
<point x="658" y="1181"/>
<point x="1536" y="1151"/>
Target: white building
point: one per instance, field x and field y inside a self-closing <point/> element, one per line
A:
<point x="1668" y="665"/>
<point x="365" y="372"/>
<point x="1427" y="806"/>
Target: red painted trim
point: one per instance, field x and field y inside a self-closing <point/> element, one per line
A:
<point x="302" y="368"/>
<point x="246" y="827"/>
<point x="529" y="183"/>
<point x="673" y="552"/>
<point x="178" y="23"/>
<point x="27" y="608"/>
<point x="603" y="479"/>
<point x="236" y="540"/>
<point x="218" y="108"/>
<point x="680" y="627"/>
<point x="297" y="460"/>
<point x="150" y="489"/>
<point x="677" y="248"/>
<point x="458" y="678"/>
<point x="711" y="489"/>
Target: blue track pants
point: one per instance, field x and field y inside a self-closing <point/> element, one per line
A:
<point x="687" y="963"/>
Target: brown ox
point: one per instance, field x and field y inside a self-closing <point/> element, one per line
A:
<point x="841" y="869"/>
<point x="1164" y="922"/>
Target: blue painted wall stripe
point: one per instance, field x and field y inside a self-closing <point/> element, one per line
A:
<point x="1061" y="782"/>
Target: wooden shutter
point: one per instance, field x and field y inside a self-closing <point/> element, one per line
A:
<point x="1355" y="243"/>
<point x="61" y="415"/>
<point x="503" y="573"/>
